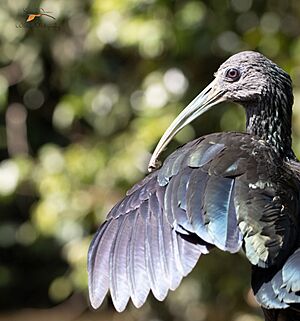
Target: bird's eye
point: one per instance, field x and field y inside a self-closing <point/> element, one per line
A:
<point x="232" y="74"/>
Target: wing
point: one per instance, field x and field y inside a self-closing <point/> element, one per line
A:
<point x="197" y="200"/>
<point x="137" y="249"/>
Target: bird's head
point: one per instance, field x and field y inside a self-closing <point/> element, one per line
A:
<point x="247" y="78"/>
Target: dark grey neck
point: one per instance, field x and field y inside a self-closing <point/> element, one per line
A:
<point x="272" y="124"/>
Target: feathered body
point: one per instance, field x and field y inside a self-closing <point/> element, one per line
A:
<point x="226" y="190"/>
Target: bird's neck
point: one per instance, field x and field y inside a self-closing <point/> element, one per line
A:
<point x="272" y="124"/>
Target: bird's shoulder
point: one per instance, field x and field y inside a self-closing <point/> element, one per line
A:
<point x="225" y="154"/>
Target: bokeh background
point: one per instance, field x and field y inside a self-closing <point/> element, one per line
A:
<point x="84" y="99"/>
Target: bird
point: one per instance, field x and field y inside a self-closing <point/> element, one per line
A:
<point x="236" y="191"/>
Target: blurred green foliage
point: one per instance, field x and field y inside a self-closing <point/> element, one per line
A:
<point x="84" y="99"/>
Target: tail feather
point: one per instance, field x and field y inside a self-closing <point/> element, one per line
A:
<point x="277" y="289"/>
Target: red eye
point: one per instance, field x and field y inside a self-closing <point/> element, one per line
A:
<point x="233" y="74"/>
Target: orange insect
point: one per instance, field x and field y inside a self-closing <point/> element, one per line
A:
<point x="32" y="16"/>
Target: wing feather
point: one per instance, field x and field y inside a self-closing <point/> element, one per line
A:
<point x="119" y="288"/>
<point x="98" y="260"/>
<point x="140" y="285"/>
<point x="195" y="203"/>
<point x="223" y="225"/>
<point x="158" y="279"/>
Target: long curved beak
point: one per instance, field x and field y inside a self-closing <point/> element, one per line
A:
<point x="209" y="97"/>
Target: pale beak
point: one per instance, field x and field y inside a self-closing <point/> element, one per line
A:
<point x="209" y="97"/>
